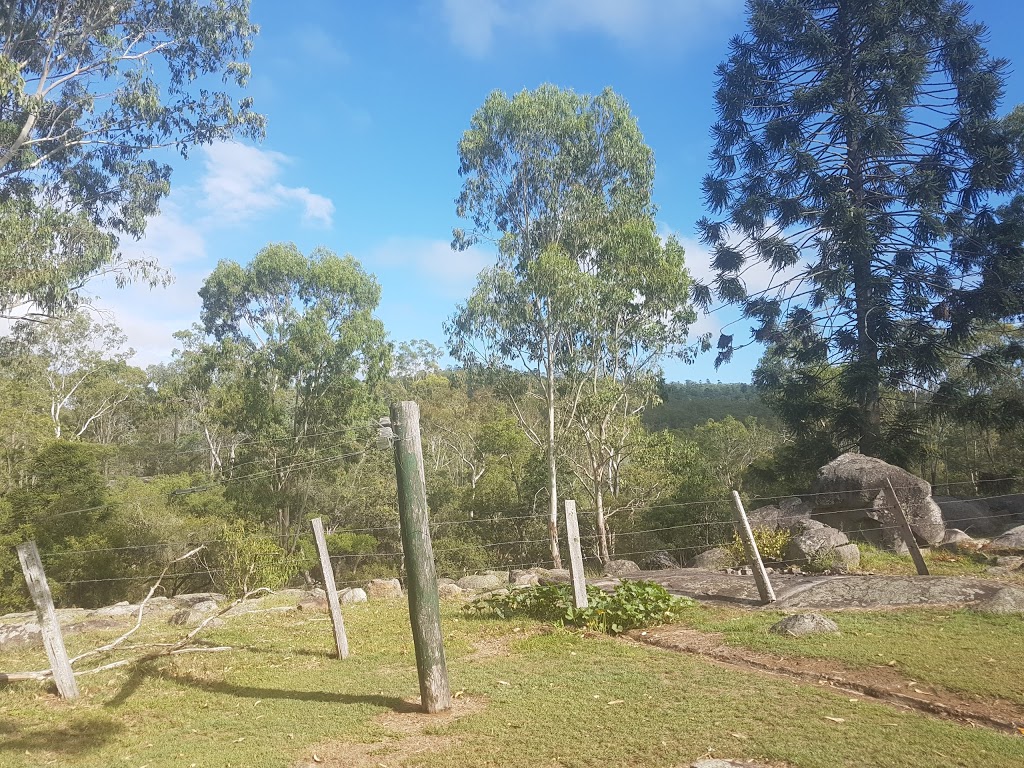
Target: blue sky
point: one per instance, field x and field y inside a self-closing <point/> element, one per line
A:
<point x="366" y="103"/>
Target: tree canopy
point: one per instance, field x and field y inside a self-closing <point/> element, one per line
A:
<point x="88" y="91"/>
<point x="860" y="155"/>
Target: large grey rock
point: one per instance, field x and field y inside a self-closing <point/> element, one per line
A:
<point x="1011" y="542"/>
<point x="99" y="624"/>
<point x="972" y="516"/>
<point x="803" y="624"/>
<point x="782" y="515"/>
<point x="1008" y="601"/>
<point x="713" y="559"/>
<point x="621" y="568"/>
<point x="958" y="542"/>
<point x="848" y="495"/>
<point x="484" y="582"/>
<point x="383" y="589"/>
<point x="824" y="548"/>
<point x="658" y="561"/>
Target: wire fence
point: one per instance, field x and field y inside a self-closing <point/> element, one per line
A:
<point x="504" y="555"/>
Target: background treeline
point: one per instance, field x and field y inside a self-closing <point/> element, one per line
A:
<point x="115" y="470"/>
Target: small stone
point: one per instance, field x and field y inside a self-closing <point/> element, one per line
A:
<point x="352" y="595"/>
<point x="803" y="624"/>
<point x="621" y="568"/>
<point x="449" y="591"/>
<point x="482" y="583"/>
<point x="383" y="589"/>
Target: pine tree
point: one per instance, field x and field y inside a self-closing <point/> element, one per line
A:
<point x="858" y="155"/>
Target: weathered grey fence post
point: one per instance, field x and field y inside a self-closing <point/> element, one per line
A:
<point x="579" y="580"/>
<point x="764" y="586"/>
<point x="340" y="638"/>
<point x="421" y="576"/>
<point x="904" y="526"/>
<point x="35" y="577"/>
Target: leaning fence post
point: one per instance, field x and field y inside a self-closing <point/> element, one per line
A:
<point x="35" y="577"/>
<point x="340" y="638"/>
<point x="904" y="526"/>
<point x="579" y="580"/>
<point x="421" y="575"/>
<point x="764" y="586"/>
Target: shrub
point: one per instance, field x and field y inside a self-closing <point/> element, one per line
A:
<point x="633" y="605"/>
<point x="245" y="559"/>
<point x="771" y="543"/>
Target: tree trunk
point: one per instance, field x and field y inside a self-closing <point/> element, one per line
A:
<point x="602" y="529"/>
<point x="860" y="252"/>
<point x="556" y="556"/>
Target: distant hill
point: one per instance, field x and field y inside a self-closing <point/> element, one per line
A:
<point x="690" y="403"/>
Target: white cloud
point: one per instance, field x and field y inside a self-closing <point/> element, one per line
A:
<point x="473" y="24"/>
<point x="453" y="272"/>
<point x="242" y="182"/>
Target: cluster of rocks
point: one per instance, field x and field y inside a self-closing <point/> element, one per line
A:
<point x="847" y="500"/>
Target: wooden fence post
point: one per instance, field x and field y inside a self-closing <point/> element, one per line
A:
<point x="764" y="586"/>
<point x="579" y="580"/>
<point x="340" y="638"/>
<point x="421" y="574"/>
<point x="35" y="577"/>
<point x="904" y="526"/>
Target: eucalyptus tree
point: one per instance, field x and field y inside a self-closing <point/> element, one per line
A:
<point x="82" y="366"/>
<point x="858" y="158"/>
<point x="637" y="313"/>
<point x="311" y="355"/>
<point x="547" y="175"/>
<point x="88" y="91"/>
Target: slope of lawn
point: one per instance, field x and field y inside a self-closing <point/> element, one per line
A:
<point x="540" y="697"/>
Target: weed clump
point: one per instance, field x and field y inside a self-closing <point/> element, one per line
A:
<point x="632" y="605"/>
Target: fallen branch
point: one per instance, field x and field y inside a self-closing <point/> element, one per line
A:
<point x="165" y="649"/>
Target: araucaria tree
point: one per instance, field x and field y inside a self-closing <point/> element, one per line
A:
<point x="87" y="90"/>
<point x="858" y="156"/>
<point x="562" y="183"/>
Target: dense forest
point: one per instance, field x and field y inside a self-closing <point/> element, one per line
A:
<point x="861" y="156"/>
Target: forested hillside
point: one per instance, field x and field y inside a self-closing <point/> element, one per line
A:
<point x="687" y="404"/>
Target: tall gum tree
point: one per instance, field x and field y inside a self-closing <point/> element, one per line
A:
<point x="548" y="175"/>
<point x="858" y="154"/>
<point x="311" y="353"/>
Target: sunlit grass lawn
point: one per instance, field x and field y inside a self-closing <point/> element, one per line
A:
<point x="960" y="650"/>
<point x="939" y="562"/>
<point x="553" y="698"/>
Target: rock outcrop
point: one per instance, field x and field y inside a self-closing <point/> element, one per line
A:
<point x="848" y="491"/>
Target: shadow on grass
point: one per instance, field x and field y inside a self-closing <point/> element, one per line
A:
<point x="222" y="688"/>
<point x="77" y="735"/>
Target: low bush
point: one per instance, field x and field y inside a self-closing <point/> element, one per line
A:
<point x="633" y="605"/>
<point x="771" y="543"/>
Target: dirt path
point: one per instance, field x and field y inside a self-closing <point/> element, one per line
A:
<point x="821" y="592"/>
<point x="880" y="683"/>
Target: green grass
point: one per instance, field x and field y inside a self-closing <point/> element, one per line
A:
<point x="940" y="563"/>
<point x="546" y="701"/>
<point x="959" y="650"/>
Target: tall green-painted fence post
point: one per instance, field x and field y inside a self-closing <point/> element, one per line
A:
<point x="421" y="575"/>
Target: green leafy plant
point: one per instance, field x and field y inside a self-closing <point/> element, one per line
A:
<point x="633" y="605"/>
<point x="246" y="559"/>
<point x="771" y="543"/>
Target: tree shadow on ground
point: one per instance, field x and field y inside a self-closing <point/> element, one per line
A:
<point x="78" y="734"/>
<point x="222" y="688"/>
